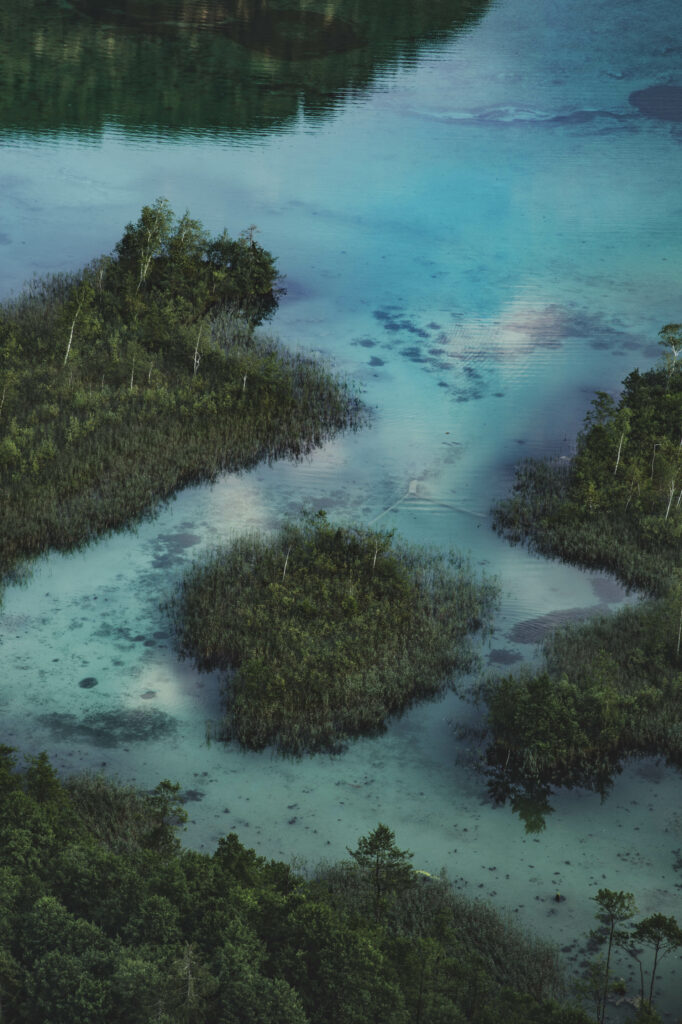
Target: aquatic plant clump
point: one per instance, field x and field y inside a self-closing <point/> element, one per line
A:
<point x="323" y="632"/>
<point x="140" y="375"/>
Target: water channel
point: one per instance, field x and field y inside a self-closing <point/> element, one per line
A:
<point x="477" y="209"/>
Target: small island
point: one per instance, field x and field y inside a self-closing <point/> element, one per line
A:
<point x="609" y="688"/>
<point x="325" y="631"/>
<point x="141" y="374"/>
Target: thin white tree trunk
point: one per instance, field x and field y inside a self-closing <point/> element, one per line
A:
<point x="73" y="327"/>
<point x="670" y="499"/>
<point x="620" y="447"/>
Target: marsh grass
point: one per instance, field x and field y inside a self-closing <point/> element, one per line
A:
<point x="323" y="632"/>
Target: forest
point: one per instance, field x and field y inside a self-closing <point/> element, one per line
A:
<point x="141" y="374"/>
<point x="105" y="917"/>
<point x="609" y="688"/>
<point x="324" y="631"/>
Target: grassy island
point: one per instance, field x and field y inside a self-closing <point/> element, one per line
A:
<point x="104" y="917"/>
<point x="612" y="687"/>
<point x="325" y="631"/>
<point x="141" y="374"/>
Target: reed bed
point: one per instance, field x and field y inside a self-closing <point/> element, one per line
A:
<point x="323" y="632"/>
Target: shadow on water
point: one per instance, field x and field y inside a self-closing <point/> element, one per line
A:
<point x="229" y="66"/>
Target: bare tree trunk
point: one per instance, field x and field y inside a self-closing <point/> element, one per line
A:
<point x="620" y="447"/>
<point x="73" y="327"/>
<point x="197" y="357"/>
<point x="671" y="487"/>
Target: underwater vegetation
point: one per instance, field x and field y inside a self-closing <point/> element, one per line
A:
<point x="325" y="631"/>
<point x="142" y="374"/>
<point x="612" y="687"/>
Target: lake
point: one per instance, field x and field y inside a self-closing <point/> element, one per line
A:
<point x="477" y="208"/>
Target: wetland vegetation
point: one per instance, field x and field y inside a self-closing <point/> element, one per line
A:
<point x="325" y="631"/>
<point x="612" y="687"/>
<point x="142" y="374"/>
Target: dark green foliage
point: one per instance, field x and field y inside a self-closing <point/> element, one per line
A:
<point x="617" y="504"/>
<point x="326" y="631"/>
<point x="141" y="375"/>
<point x="102" y="920"/>
<point x="610" y="688"/>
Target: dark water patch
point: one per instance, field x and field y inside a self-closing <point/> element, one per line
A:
<point x="443" y="384"/>
<point x="178" y="541"/>
<point x="148" y="695"/>
<point x="606" y="589"/>
<point x="587" y="117"/>
<point x="503" y="656"/>
<point x="110" y="728"/>
<point x="652" y="771"/>
<point x="662" y="102"/>
<point x="414" y="354"/>
<point x="149" y="643"/>
<point x="375" y="361"/>
<point x="161" y="634"/>
<point x="191" y="796"/>
<point x="533" y="631"/>
<point x="365" y="343"/>
<point x="5" y="239"/>
<point x="87" y="683"/>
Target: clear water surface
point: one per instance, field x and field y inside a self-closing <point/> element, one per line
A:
<point x="480" y="223"/>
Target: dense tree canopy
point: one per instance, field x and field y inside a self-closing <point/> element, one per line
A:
<point x="103" y="917"/>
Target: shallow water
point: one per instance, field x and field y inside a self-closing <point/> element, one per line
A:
<point x="479" y="226"/>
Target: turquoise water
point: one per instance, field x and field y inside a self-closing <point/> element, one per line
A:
<point x="481" y="229"/>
